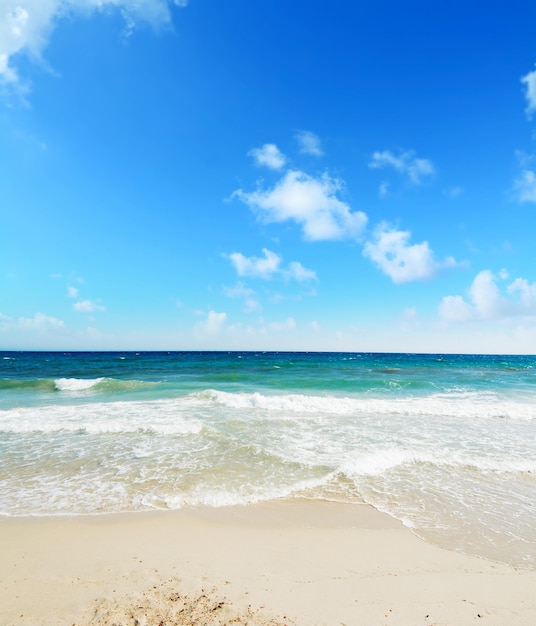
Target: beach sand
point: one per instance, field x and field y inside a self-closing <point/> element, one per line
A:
<point x="288" y="562"/>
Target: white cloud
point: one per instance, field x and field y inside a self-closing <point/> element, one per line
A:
<point x="269" y="155"/>
<point x="296" y="271"/>
<point x="72" y="292"/>
<point x="455" y="309"/>
<point x="38" y="322"/>
<point x="27" y="25"/>
<point x="525" y="186"/>
<point x="485" y="300"/>
<point x="391" y="252"/>
<point x="418" y="171"/>
<point x="308" y="201"/>
<point x="268" y="266"/>
<point x="485" y="296"/>
<point x="530" y="81"/>
<point x="24" y="26"/>
<point x="309" y="143"/>
<point x="87" y="306"/>
<point x="256" y="267"/>
<point x="527" y="293"/>
<point x="213" y="325"/>
<point x="215" y="322"/>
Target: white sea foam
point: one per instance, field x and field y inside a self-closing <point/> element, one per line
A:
<point x="466" y="404"/>
<point x="247" y="493"/>
<point x="161" y="417"/>
<point x="378" y="462"/>
<point x="381" y="461"/>
<point x="76" y="384"/>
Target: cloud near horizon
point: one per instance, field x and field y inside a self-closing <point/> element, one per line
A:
<point x="486" y="302"/>
<point x="26" y="26"/>
<point x="308" y="201"/>
<point x="391" y="252"/>
<point x="214" y="324"/>
<point x="38" y="322"/>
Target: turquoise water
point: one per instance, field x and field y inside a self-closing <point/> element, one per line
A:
<point x="445" y="443"/>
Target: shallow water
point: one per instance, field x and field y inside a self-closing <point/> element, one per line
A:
<point x="445" y="443"/>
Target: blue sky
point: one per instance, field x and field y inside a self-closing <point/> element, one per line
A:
<point x="268" y="175"/>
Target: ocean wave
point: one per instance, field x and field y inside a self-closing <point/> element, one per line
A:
<point x="102" y="384"/>
<point x="211" y="406"/>
<point x="456" y="404"/>
<point x="76" y="384"/>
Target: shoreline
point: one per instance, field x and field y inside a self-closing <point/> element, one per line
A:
<point x="282" y="562"/>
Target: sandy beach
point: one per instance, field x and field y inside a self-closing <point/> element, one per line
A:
<point x="275" y="563"/>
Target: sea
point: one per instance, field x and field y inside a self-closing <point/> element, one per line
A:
<point x="444" y="443"/>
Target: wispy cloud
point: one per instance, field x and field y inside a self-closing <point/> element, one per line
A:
<point x="268" y="266"/>
<point x="281" y="327"/>
<point x="26" y="26"/>
<point x="88" y="306"/>
<point x="83" y="306"/>
<point x="390" y="250"/>
<point x="38" y="322"/>
<point x="240" y="291"/>
<point x="310" y="202"/>
<point x="296" y="271"/>
<point x="529" y="80"/>
<point x="485" y="300"/>
<point x="418" y="171"/>
<point x="453" y="192"/>
<point x="525" y="186"/>
<point x="269" y="155"/>
<point x="309" y="143"/>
